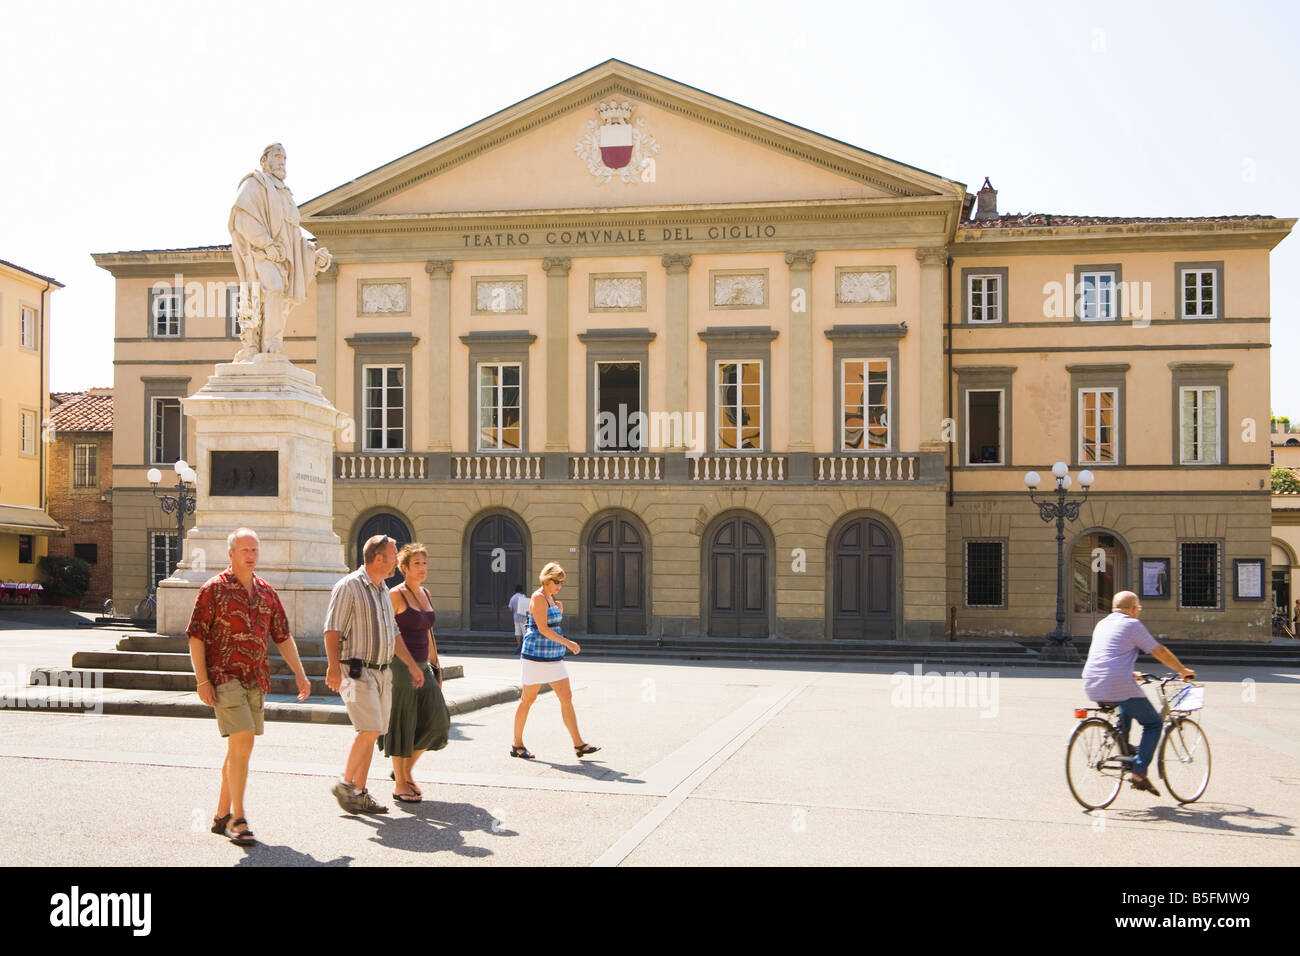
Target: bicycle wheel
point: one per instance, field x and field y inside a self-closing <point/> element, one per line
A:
<point x="1091" y="769"/>
<point x="1185" y="760"/>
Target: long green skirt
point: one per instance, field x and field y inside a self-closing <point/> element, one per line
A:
<point x="420" y="720"/>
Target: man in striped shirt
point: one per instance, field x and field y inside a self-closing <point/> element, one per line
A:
<point x="360" y="640"/>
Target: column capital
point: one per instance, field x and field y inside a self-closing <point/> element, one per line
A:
<point x="932" y="255"/>
<point x="330" y="274"/>
<point x="676" y="262"/>
<point x="439" y="268"/>
<point x="800" y="259"/>
<point x="556" y="266"/>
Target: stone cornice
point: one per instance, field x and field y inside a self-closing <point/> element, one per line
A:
<point x="1126" y="237"/>
<point x="738" y="333"/>
<point x="616" y="335"/>
<point x="508" y="337"/>
<point x="839" y="332"/>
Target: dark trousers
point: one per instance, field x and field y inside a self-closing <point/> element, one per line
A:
<point x="1141" y="710"/>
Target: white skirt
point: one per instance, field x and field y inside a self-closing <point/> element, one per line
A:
<point x="542" y="672"/>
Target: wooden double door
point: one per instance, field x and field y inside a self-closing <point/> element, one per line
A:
<point x="616" y="578"/>
<point x="738" y="596"/>
<point x="863" y="569"/>
<point x="497" y="565"/>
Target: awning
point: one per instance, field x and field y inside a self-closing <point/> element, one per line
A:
<point x="16" y="519"/>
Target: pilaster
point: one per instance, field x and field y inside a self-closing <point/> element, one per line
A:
<point x="441" y="348"/>
<point x="676" y="361"/>
<point x="557" y="352"/>
<point x="327" y="329"/>
<point x="800" y="376"/>
<point x="934" y="383"/>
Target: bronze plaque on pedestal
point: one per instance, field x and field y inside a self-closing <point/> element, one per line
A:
<point x="253" y="474"/>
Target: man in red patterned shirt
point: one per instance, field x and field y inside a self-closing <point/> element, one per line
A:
<point x="234" y="615"/>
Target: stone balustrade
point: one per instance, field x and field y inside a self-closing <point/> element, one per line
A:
<point x="738" y="468"/>
<point x="616" y="468"/>
<point x="866" y="468"/>
<point x="369" y="467"/>
<point x="497" y="467"/>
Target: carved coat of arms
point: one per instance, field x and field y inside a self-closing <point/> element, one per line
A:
<point x="615" y="145"/>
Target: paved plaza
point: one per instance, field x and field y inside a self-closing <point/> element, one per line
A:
<point x="702" y="764"/>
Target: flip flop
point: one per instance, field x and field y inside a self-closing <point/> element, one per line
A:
<point x="405" y="797"/>
<point x="585" y="749"/>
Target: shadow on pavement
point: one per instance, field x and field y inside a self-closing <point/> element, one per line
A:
<point x="435" y="827"/>
<point x="266" y="854"/>
<point x="591" y="769"/>
<point x="1228" y="817"/>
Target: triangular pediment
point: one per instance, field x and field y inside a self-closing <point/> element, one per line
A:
<point x="677" y="145"/>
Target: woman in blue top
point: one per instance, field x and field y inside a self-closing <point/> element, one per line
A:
<point x="542" y="654"/>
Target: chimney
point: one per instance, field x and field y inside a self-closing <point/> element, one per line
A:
<point x="986" y="202"/>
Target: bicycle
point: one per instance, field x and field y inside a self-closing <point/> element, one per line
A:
<point x="1096" y="759"/>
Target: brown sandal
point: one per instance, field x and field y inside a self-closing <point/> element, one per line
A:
<point x="219" y="824"/>
<point x="242" y="837"/>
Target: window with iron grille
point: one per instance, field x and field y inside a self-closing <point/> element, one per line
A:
<point x="85" y="466"/>
<point x="164" y="555"/>
<point x="1199" y="574"/>
<point x="985" y="576"/>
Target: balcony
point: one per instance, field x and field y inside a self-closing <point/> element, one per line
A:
<point x="386" y="467"/>
<point x="616" y="468"/>
<point x="738" y="468"/>
<point x="497" y="467"/>
<point x="866" y="468"/>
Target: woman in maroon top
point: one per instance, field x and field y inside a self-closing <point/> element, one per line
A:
<point x="419" y="720"/>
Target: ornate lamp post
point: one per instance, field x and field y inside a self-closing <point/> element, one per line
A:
<point x="1059" y="647"/>
<point x="182" y="503"/>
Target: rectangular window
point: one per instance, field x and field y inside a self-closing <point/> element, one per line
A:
<point x="26" y="548"/>
<point x="85" y="465"/>
<point x="1199" y="429"/>
<point x="88" y="552"/>
<point x="618" y="399"/>
<point x="984" y="298"/>
<point x="1097" y="298"/>
<point x="164" y="555"/>
<point x="867" y="421"/>
<point x="984" y="574"/>
<point x="384" y="398"/>
<point x="1200" y="294"/>
<point x="165" y="314"/>
<point x="27" y="432"/>
<point x="739" y="405"/>
<point x="166" y="430"/>
<point x="500" y="407"/>
<point x="1199" y="574"/>
<point x="984" y="427"/>
<point x="27" y="327"/>
<point x="1097" y="436"/>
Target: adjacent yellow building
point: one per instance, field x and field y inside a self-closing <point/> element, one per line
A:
<point x="745" y="380"/>
<point x="25" y="527"/>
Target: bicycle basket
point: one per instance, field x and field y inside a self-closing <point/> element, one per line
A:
<point x="1189" y="698"/>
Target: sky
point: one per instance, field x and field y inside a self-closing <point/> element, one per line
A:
<point x="128" y="125"/>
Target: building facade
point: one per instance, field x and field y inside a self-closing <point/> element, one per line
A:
<point x="80" y="483"/>
<point x="25" y="527"/>
<point x="743" y="380"/>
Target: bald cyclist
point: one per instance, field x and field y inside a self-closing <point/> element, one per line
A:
<point x="1109" y="678"/>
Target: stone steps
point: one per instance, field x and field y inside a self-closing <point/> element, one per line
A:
<point x="180" y="662"/>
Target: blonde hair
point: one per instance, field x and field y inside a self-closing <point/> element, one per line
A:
<point x="408" y="552"/>
<point x="552" y="572"/>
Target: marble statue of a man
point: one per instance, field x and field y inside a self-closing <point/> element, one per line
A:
<point x="275" y="260"/>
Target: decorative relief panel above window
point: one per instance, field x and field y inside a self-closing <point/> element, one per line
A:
<point x="739" y="290"/>
<point x="504" y="295"/>
<point x="618" y="292"/>
<point x="384" y="297"/>
<point x="864" y="286"/>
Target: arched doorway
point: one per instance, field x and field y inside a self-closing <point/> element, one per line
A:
<point x="864" y="574"/>
<point x="497" y="564"/>
<point x="383" y="523"/>
<point x="616" y="577"/>
<point x="1098" y="569"/>
<point x="738" y="564"/>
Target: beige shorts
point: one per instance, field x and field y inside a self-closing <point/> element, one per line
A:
<point x="238" y="708"/>
<point x="368" y="699"/>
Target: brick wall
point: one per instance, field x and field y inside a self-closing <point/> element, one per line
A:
<point x="86" y="514"/>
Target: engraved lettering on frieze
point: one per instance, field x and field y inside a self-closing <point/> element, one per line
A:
<point x="626" y="293"/>
<point x="743" y="290"/>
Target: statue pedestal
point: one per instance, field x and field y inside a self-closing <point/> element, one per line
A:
<point x="265" y="451"/>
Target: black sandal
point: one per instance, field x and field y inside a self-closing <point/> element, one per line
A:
<point x="219" y="824"/>
<point x="521" y="752"/>
<point x="585" y="749"/>
<point x="241" y="838"/>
